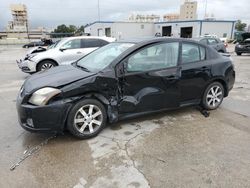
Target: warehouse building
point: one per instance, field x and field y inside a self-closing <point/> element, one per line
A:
<point x="185" y="29"/>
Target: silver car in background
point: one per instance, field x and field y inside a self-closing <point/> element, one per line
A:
<point x="63" y="52"/>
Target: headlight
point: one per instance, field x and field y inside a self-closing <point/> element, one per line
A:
<point x="42" y="96"/>
<point x="30" y="56"/>
<point x="239" y="46"/>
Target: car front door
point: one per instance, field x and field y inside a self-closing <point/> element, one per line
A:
<point x="151" y="77"/>
<point x="70" y="51"/>
<point x="195" y="72"/>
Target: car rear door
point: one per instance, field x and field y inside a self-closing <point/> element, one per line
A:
<point x="195" y="72"/>
<point x="151" y="79"/>
<point x="89" y="45"/>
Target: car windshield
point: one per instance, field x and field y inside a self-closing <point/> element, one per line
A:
<point x="102" y="57"/>
<point x="54" y="45"/>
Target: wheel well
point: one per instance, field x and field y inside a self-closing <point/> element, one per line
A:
<point x="91" y="95"/>
<point x="223" y="83"/>
<point x="46" y="60"/>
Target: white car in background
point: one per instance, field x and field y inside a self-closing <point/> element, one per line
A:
<point x="63" y="52"/>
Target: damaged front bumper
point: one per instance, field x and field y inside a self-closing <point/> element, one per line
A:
<point x="26" y="66"/>
<point x="49" y="118"/>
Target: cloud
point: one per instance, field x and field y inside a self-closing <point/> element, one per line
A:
<point x="50" y="13"/>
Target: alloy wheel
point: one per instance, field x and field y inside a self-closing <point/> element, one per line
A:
<point x="46" y="66"/>
<point x="88" y="119"/>
<point x="214" y="96"/>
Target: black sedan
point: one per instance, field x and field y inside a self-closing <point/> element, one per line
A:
<point x="123" y="80"/>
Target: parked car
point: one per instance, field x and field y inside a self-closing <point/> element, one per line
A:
<point x="66" y="51"/>
<point x="33" y="44"/>
<point x="43" y="42"/>
<point x="214" y="42"/>
<point x="122" y="80"/>
<point x="244" y="45"/>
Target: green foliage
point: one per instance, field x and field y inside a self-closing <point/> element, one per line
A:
<point x="69" y="29"/>
<point x="239" y="26"/>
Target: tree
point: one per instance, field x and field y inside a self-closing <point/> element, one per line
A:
<point x="65" y="29"/>
<point x="239" y="26"/>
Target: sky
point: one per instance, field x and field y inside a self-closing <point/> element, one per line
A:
<point x="50" y="13"/>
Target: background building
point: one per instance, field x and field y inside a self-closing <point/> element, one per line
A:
<point x="171" y="17"/>
<point x="185" y="29"/>
<point x="19" y="21"/>
<point x="188" y="10"/>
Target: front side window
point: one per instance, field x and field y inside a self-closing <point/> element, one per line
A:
<point x="72" y="44"/>
<point x="192" y="53"/>
<point x="155" y="57"/>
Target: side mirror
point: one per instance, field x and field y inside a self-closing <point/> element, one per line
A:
<point x="62" y="49"/>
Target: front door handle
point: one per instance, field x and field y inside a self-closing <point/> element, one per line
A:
<point x="79" y="52"/>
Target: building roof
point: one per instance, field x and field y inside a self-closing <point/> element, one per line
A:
<point x="164" y="22"/>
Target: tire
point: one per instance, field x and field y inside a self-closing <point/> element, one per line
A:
<point x="238" y="53"/>
<point x="45" y="65"/>
<point x="82" y="124"/>
<point x="213" y="96"/>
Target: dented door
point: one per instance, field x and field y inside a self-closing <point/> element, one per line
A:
<point x="150" y="81"/>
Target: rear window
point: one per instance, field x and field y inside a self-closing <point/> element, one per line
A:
<point x="212" y="41"/>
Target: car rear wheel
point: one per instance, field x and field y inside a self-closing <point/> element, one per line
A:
<point x="45" y="65"/>
<point x="213" y="96"/>
<point x="87" y="118"/>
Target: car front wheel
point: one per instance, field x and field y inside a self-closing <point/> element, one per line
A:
<point x="213" y="96"/>
<point x="45" y="65"/>
<point x="238" y="53"/>
<point x="87" y="118"/>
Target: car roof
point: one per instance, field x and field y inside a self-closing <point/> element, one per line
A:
<point x="109" y="39"/>
<point x="149" y="40"/>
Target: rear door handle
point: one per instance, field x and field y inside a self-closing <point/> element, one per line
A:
<point x="79" y="52"/>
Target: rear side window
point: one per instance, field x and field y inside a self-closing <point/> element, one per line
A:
<point x="192" y="53"/>
<point x="103" y="43"/>
<point x="91" y="43"/>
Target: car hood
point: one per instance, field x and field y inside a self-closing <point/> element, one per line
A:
<point x="55" y="77"/>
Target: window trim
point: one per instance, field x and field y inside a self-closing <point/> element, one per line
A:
<point x="181" y="62"/>
<point x="125" y="61"/>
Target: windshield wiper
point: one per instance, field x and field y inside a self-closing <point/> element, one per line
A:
<point x="82" y="67"/>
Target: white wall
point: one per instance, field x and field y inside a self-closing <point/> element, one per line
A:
<point x="217" y="28"/>
<point x="93" y="29"/>
<point x="123" y="30"/>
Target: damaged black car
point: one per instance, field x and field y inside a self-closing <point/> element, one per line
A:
<point x="123" y="80"/>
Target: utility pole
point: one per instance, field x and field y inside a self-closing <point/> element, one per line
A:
<point x="99" y="17"/>
<point x="205" y="9"/>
